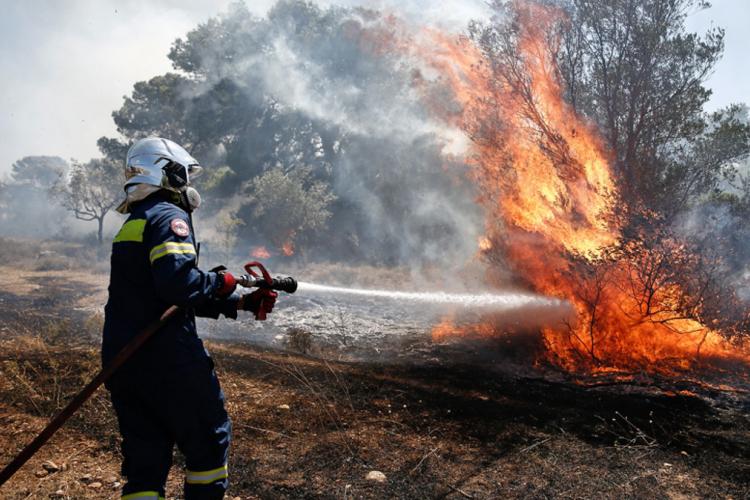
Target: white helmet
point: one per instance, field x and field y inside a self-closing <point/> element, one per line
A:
<point x="160" y="162"/>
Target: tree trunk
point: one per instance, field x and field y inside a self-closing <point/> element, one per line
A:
<point x="99" y="232"/>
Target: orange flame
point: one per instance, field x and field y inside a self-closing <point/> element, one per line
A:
<point x="260" y="253"/>
<point x="288" y="248"/>
<point x="545" y="178"/>
<point x="447" y="329"/>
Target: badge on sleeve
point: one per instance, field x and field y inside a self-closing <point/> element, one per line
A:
<point x="179" y="227"/>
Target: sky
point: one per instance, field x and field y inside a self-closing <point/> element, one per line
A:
<point x="66" y="65"/>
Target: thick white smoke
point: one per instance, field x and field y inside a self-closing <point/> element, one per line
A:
<point x="396" y="163"/>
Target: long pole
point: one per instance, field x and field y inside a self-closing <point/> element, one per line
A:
<point x="84" y="395"/>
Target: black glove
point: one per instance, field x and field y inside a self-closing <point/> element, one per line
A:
<point x="260" y="302"/>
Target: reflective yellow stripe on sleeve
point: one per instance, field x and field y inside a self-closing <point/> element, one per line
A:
<point x="206" y="477"/>
<point x="132" y="230"/>
<point x="170" y="247"/>
<point x="143" y="495"/>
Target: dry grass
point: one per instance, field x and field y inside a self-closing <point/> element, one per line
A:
<point x="50" y="255"/>
<point x="298" y="339"/>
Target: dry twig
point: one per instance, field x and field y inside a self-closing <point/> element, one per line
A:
<point x="431" y="452"/>
<point x="532" y="446"/>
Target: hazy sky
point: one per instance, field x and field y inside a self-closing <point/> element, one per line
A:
<point x="66" y="65"/>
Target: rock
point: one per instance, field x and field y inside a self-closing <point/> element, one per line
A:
<point x="50" y="466"/>
<point x="111" y="479"/>
<point x="283" y="407"/>
<point x="116" y="485"/>
<point x="95" y="485"/>
<point x="85" y="478"/>
<point x="41" y="473"/>
<point x="58" y="494"/>
<point x="375" y="475"/>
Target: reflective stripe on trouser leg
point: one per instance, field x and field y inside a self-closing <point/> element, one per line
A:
<point x="206" y="477"/>
<point x="143" y="495"/>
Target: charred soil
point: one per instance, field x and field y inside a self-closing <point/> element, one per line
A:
<point x="311" y="428"/>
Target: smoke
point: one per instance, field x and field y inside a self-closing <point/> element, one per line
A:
<point x="717" y="226"/>
<point x="721" y="236"/>
<point x="340" y="75"/>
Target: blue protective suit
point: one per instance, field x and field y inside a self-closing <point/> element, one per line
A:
<point x="167" y="393"/>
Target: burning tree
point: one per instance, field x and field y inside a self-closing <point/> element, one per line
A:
<point x="632" y="68"/>
<point x="590" y="216"/>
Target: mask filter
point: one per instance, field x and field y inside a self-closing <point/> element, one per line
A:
<point x="193" y="198"/>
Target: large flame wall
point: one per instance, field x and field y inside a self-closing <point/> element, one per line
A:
<point x="546" y="181"/>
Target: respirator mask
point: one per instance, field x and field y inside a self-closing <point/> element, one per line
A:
<point x="177" y="179"/>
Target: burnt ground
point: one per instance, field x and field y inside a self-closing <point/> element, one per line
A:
<point x="305" y="427"/>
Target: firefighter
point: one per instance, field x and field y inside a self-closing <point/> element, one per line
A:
<point x="168" y="393"/>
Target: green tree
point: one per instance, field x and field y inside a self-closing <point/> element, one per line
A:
<point x="156" y="107"/>
<point x="311" y="88"/>
<point x="285" y="206"/>
<point x="91" y="190"/>
<point x="227" y="226"/>
<point x="633" y="68"/>
<point x="113" y="149"/>
<point x="40" y="172"/>
<point x="709" y="164"/>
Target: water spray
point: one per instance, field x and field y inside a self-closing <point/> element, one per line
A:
<point x="496" y="301"/>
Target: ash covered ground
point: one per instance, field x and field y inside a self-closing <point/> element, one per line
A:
<point x="332" y="320"/>
<point x="348" y="327"/>
<point x="339" y="326"/>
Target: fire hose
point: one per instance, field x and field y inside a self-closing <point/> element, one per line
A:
<point x="250" y="280"/>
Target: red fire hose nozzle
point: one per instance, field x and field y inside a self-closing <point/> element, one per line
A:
<point x="264" y="279"/>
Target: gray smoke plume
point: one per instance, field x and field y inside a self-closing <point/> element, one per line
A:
<point x="26" y="207"/>
<point x="332" y="92"/>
